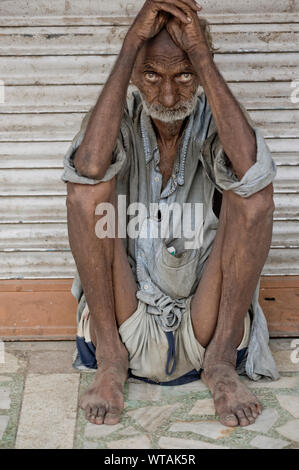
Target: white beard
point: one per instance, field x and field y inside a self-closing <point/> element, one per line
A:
<point x="177" y="113"/>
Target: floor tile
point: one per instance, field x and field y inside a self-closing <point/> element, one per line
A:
<point x="177" y="443"/>
<point x="283" y="382"/>
<point x="290" y="403"/>
<point x="98" y="431"/>
<point x="211" y="429"/>
<point x="51" y="362"/>
<point x="138" y="442"/>
<point x="48" y="414"/>
<point x="265" y="421"/>
<point x="264" y="442"/>
<point x="5" y="379"/>
<point x="144" y="392"/>
<point x="203" y="407"/>
<point x="3" y="424"/>
<point x="4" y="399"/>
<point x="290" y="430"/>
<point x="151" y="417"/>
<point x="12" y="363"/>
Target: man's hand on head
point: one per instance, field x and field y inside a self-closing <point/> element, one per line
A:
<point x="190" y="37"/>
<point x="155" y="14"/>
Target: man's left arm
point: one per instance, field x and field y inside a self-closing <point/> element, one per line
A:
<point x="235" y="133"/>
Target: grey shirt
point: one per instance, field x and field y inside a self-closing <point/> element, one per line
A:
<point x="165" y="281"/>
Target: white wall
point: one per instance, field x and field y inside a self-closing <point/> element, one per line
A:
<point x="54" y="57"/>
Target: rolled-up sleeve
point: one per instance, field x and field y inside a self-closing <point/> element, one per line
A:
<point x="119" y="159"/>
<point x="220" y="171"/>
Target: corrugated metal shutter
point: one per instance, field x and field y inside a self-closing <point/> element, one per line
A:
<point x="54" y="57"/>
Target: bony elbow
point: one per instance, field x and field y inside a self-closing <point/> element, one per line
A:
<point x="92" y="173"/>
<point x="88" y="170"/>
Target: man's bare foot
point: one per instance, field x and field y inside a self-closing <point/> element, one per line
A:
<point x="234" y="403"/>
<point x="103" y="401"/>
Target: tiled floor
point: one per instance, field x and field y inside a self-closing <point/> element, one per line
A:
<point x="39" y="407"/>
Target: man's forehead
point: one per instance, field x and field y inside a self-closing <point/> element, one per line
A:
<point x="162" y="50"/>
<point x="164" y="62"/>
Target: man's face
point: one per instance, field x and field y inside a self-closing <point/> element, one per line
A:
<point x="166" y="80"/>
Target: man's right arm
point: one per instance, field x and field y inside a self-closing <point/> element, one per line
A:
<point x="94" y="155"/>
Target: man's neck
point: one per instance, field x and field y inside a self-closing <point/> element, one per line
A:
<point x="168" y="133"/>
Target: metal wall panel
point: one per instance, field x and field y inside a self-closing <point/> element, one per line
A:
<point x="46" y="209"/>
<point x="34" y="264"/>
<point x="79" y="98"/>
<point x="57" y="12"/>
<point x="59" y="264"/>
<point x="53" y="236"/>
<point x="46" y="181"/>
<point x="62" y="126"/>
<point x="55" y="57"/>
<point x="43" y="209"/>
<point x="39" y="236"/>
<point x="103" y="40"/>
<point x="93" y="69"/>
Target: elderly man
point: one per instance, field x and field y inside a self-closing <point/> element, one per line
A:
<point x="151" y="306"/>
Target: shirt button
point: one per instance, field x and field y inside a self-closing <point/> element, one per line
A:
<point x="157" y="178"/>
<point x="145" y="286"/>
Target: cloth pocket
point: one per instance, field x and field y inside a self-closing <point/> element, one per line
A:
<point x="175" y="275"/>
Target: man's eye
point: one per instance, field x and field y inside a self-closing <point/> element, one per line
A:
<point x="185" y="77"/>
<point x="151" y="76"/>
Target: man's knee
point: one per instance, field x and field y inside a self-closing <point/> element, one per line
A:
<point x="255" y="209"/>
<point x="85" y="197"/>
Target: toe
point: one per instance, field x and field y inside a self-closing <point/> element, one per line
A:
<point x="259" y="408"/>
<point x="254" y="410"/>
<point x="93" y="414"/>
<point x="113" y="416"/>
<point x="87" y="410"/>
<point x="248" y="414"/>
<point x="229" y="420"/>
<point x="243" y="421"/>
<point x="100" y="419"/>
<point x="101" y="410"/>
<point x="83" y="403"/>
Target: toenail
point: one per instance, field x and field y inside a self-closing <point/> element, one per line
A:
<point x="229" y="417"/>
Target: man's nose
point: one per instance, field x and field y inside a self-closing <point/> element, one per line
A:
<point x="168" y="94"/>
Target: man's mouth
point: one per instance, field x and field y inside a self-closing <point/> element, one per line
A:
<point x="177" y="113"/>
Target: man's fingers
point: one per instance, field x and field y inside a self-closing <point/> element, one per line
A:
<point x="184" y="3"/>
<point x="175" y="11"/>
<point x="163" y="17"/>
<point x="192" y="4"/>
